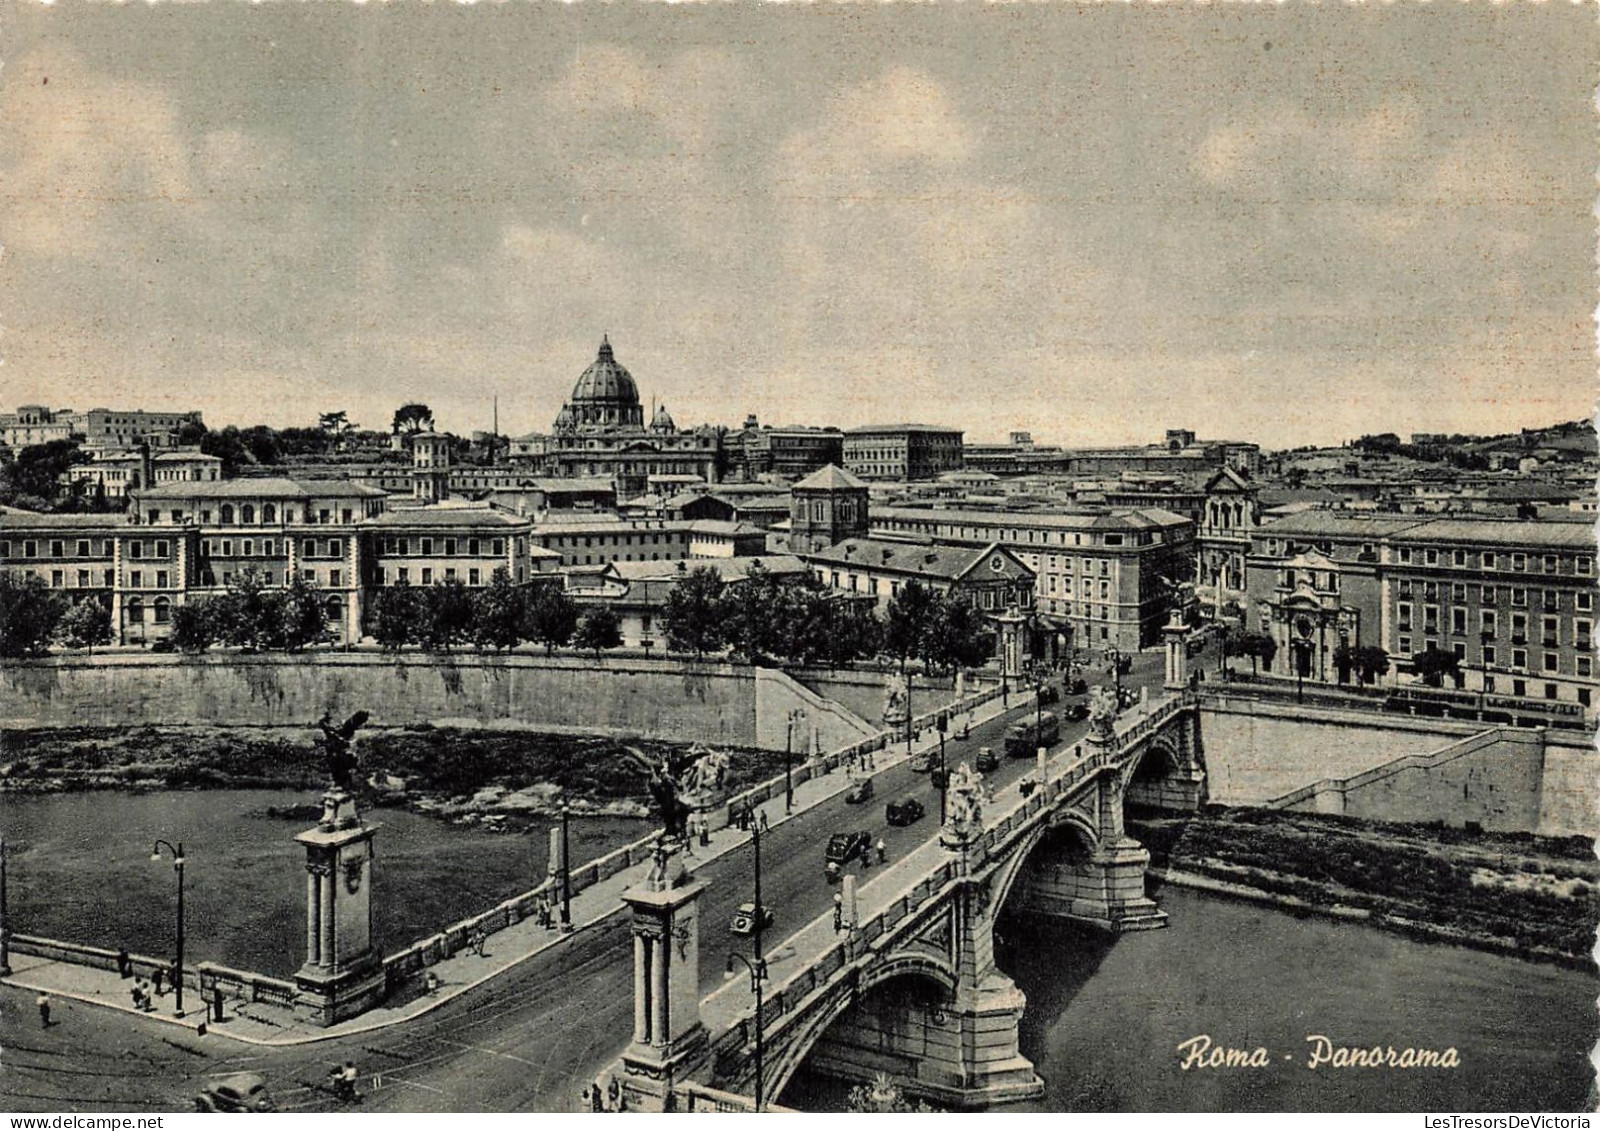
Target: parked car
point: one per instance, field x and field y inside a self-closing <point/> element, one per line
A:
<point x="861" y="791"/>
<point x="241" y="1092"/>
<point x="922" y="761"/>
<point x="906" y="812"/>
<point x="845" y="847"/>
<point x="987" y="763"/>
<point x="744" y="919"/>
<point x="1076" y="712"/>
<point x="1049" y="694"/>
<point x="1078" y="687"/>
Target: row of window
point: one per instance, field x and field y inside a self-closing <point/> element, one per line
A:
<point x="1016" y="536"/>
<point x="570" y="541"/>
<point x="247" y="515"/>
<point x="1549" y="599"/>
<point x="1581" y="632"/>
<point x="448" y="546"/>
<point x="427" y="575"/>
<point x="1489" y="656"/>
<point x="1582" y="564"/>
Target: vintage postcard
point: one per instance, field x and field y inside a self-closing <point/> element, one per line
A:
<point x="813" y="557"/>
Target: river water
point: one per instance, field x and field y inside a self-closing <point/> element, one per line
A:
<point x="1105" y="1017"/>
<point x="80" y="870"/>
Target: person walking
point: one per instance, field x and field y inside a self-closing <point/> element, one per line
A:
<point x="838" y="912"/>
<point x="124" y="964"/>
<point x="160" y="976"/>
<point x="883" y="852"/>
<point x="44" y="1011"/>
<point x="766" y="823"/>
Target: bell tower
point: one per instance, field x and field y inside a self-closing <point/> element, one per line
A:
<point x="829" y="506"/>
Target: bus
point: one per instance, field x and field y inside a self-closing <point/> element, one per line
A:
<point x="1024" y="739"/>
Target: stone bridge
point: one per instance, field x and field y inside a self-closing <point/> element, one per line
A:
<point x="911" y="988"/>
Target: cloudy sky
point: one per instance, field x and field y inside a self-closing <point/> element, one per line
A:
<point x="1291" y="224"/>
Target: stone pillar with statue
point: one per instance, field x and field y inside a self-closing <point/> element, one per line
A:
<point x="343" y="972"/>
<point x="670" y="1043"/>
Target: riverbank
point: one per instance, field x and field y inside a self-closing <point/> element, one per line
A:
<point x="1535" y="898"/>
<point x="503" y="779"/>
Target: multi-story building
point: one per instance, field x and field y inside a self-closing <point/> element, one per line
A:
<point x="903" y="452"/>
<point x="34" y="424"/>
<point x="1229" y="516"/>
<point x="599" y="540"/>
<point x="453" y="542"/>
<point x="1512" y="601"/>
<point x="1105" y="579"/>
<point x="120" y="428"/>
<point x="786" y="452"/>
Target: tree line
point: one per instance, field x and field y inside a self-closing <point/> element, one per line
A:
<point x="801" y="621"/>
<point x="32" y="616"/>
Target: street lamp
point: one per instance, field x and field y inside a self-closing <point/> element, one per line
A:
<point x="5" y="918"/>
<point x="758" y="978"/>
<point x="177" y="866"/>
<point x="798" y="715"/>
<point x="1222" y="651"/>
<point x="756" y="964"/>
<point x="566" y="867"/>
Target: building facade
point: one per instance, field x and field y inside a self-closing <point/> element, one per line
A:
<point x="1104" y="579"/>
<point x="902" y="452"/>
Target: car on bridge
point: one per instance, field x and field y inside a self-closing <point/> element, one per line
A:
<point x="1078" y="687"/>
<point x="744" y="919"/>
<point x="1025" y="738"/>
<point x="987" y="763"/>
<point x="1076" y="712"/>
<point x="906" y="812"/>
<point x="845" y="847"/>
<point x="922" y="761"/>
<point x="1049" y="694"/>
<point x="860" y="792"/>
<point x="241" y="1092"/>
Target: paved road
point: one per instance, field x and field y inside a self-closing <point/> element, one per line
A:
<point x="527" y="1041"/>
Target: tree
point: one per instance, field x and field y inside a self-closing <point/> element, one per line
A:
<point x="334" y="423"/>
<point x="752" y="613"/>
<point x="693" y="613"/>
<point x="1344" y="660"/>
<point x="33" y="478"/>
<point x="249" y="614"/>
<point x="191" y="433"/>
<point x="29" y="614"/>
<point x="1433" y="665"/>
<point x="497" y="612"/>
<point x="957" y="637"/>
<point x="1371" y="663"/>
<point x="195" y="624"/>
<point x="600" y="629"/>
<point x="395" y="613"/>
<point x="446" y="615"/>
<point x="854" y="630"/>
<point x="1259" y="646"/>
<point x="413" y="418"/>
<point x="301" y="620"/>
<point x="908" y="625"/>
<point x="550" y="617"/>
<point x="86" y="624"/>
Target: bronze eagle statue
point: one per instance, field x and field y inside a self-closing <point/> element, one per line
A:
<point x="337" y="741"/>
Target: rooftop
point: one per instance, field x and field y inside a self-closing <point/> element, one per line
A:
<point x="13" y="518"/>
<point x="1078" y="519"/>
<point x="830" y="478"/>
<point x="868" y="429"/>
<point x="926" y="559"/>
<point x="1544" y="535"/>
<point x="441" y="516"/>
<point x="266" y="487"/>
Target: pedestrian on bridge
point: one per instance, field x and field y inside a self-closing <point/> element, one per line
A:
<point x="124" y="964"/>
<point x="883" y="852"/>
<point x="838" y="912"/>
<point x="766" y="823"/>
<point x="44" y="1011"/>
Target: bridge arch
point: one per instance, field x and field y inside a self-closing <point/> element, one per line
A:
<point x="920" y="978"/>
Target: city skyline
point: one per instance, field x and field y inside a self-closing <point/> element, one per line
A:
<point x="827" y="216"/>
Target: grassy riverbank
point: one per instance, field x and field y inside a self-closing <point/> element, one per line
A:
<point x="1533" y="896"/>
<point x="446" y="771"/>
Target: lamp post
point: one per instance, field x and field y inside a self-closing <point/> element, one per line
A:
<point x="5" y="917"/>
<point x="177" y="866"/>
<point x="566" y="867"/>
<point x="1116" y="666"/>
<point x="758" y="978"/>
<point x="798" y="715"/>
<point x="756" y="965"/>
<point x="1222" y="651"/>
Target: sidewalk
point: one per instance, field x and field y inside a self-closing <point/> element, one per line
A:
<point x="261" y="1023"/>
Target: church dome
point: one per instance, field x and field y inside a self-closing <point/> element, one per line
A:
<point x="605" y="393"/>
<point x="662" y="422"/>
